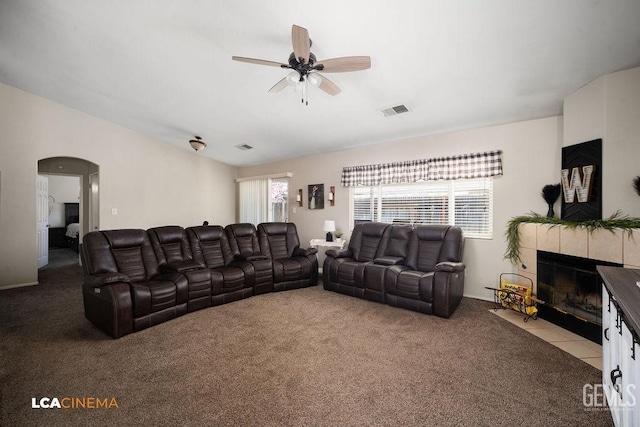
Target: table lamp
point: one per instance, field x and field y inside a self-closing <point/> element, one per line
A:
<point x="329" y="227"/>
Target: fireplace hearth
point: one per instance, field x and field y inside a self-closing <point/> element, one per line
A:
<point x="571" y="288"/>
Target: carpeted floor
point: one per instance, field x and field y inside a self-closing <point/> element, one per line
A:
<point x="304" y="357"/>
<point x="61" y="257"/>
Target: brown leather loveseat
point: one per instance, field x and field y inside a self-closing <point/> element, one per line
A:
<point x="418" y="268"/>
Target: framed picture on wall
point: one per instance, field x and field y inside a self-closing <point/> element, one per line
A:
<point x="316" y="196"/>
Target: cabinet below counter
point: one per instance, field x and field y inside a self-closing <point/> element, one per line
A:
<point x="621" y="343"/>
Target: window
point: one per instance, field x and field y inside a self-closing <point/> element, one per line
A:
<point x="278" y="196"/>
<point x="264" y="200"/>
<point x="467" y="203"/>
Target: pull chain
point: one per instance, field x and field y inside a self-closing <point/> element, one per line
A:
<point x="304" y="92"/>
<point x="303" y="89"/>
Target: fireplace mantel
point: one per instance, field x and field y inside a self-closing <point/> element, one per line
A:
<point x="619" y="246"/>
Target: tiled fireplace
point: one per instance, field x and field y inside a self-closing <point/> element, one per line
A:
<point x="561" y="263"/>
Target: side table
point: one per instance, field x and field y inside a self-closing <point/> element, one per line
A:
<point x="322" y="243"/>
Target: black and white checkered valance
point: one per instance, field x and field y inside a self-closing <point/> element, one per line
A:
<point x="477" y="165"/>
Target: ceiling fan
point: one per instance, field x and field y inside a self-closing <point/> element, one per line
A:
<point x="306" y="68"/>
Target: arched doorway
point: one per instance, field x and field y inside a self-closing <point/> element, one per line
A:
<point x="71" y="210"/>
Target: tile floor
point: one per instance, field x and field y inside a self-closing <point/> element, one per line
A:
<point x="573" y="344"/>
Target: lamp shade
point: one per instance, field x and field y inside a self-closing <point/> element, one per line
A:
<point x="329" y="226"/>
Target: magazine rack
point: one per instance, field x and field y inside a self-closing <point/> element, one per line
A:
<point x="515" y="296"/>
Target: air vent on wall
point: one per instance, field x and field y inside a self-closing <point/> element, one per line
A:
<point x="394" y="111"/>
<point x="244" y="147"/>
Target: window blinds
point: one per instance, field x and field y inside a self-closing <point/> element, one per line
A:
<point x="465" y="203"/>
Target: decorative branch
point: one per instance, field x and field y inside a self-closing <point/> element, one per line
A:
<point x="512" y="234"/>
<point x="551" y="192"/>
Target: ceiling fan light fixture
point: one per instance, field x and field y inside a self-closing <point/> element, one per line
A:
<point x="305" y="66"/>
<point x="293" y="78"/>
<point x="197" y="143"/>
<point x="314" y="79"/>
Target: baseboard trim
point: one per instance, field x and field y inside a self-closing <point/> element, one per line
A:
<point x="17" y="285"/>
<point x="482" y="298"/>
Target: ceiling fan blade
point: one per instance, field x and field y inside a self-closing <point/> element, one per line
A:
<point x="328" y="86"/>
<point x="342" y="65"/>
<point x="260" y="62"/>
<point x="279" y="86"/>
<point x="301" y="43"/>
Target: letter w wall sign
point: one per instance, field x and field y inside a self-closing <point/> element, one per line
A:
<point x="581" y="179"/>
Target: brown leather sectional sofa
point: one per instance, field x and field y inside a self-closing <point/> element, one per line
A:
<point x="135" y="279"/>
<point x="418" y="268"/>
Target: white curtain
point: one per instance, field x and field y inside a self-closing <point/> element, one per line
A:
<point x="254" y="201"/>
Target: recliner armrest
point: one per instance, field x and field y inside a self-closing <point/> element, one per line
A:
<point x="181" y="267"/>
<point x="334" y="253"/>
<point x="305" y="252"/>
<point x="98" y="280"/>
<point x="389" y="260"/>
<point x="450" y="267"/>
<point x="181" y="282"/>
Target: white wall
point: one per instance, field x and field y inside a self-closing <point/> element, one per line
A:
<point x="584" y="114"/>
<point x="609" y="108"/>
<point x="531" y="159"/>
<point x="151" y="183"/>
<point x="64" y="189"/>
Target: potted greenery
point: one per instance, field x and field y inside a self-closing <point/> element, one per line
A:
<point x="338" y="235"/>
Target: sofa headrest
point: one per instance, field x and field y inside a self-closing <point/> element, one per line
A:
<point x="374" y="229"/>
<point x="208" y="232"/>
<point x="168" y="234"/>
<point x="278" y="239"/>
<point x="366" y="239"/>
<point x="126" y="251"/>
<point x="398" y="240"/>
<point x="432" y="244"/>
<point x="431" y="232"/>
<point x="125" y="238"/>
<point x="242" y="230"/>
<point x="272" y="228"/>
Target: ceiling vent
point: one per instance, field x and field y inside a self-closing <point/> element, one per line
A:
<point x="244" y="147"/>
<point x="394" y="111"/>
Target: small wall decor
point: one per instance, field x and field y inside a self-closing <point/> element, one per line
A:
<point x="316" y="196"/>
<point x="582" y="181"/>
<point x="332" y="195"/>
<point x="636" y="184"/>
<point x="550" y="194"/>
<point x="299" y="197"/>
